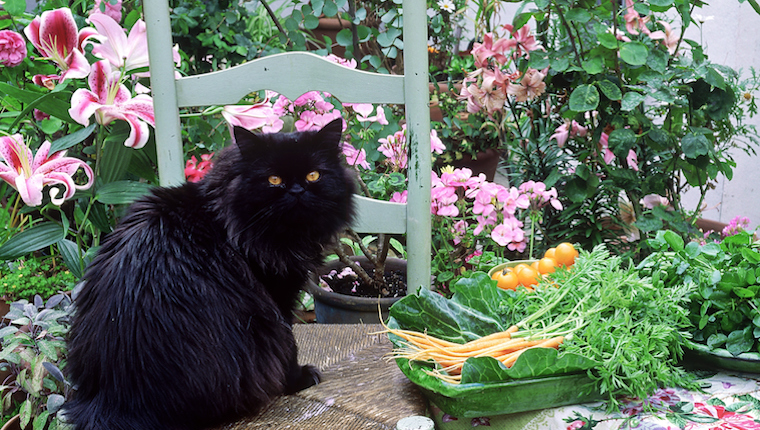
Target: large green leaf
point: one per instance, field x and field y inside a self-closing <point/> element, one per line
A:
<point x="72" y="139"/>
<point x="584" y="98"/>
<point x="121" y="192"/>
<point x="634" y="53"/>
<point x="54" y="103"/>
<point x="32" y="239"/>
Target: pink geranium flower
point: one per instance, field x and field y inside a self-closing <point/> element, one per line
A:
<point x="355" y="157"/>
<point x="29" y="175"/>
<point x="109" y="100"/>
<point x="54" y="34"/>
<point x="12" y="48"/>
<point x="111" y="8"/>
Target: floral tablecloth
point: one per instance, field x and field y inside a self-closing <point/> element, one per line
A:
<point x="730" y="400"/>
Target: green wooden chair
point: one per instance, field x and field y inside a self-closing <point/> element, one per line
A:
<point x="284" y="73"/>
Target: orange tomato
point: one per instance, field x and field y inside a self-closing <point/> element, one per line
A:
<point x="528" y="276"/>
<point x="518" y="268"/>
<point x="565" y="254"/>
<point x="534" y="266"/>
<point x="550" y="253"/>
<point x="546" y="265"/>
<point x="506" y="279"/>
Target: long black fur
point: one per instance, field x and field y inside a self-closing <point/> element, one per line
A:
<point x="184" y="321"/>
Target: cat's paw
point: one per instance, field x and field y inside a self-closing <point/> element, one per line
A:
<point x="309" y="375"/>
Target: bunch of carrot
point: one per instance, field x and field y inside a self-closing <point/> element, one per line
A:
<point x="451" y="356"/>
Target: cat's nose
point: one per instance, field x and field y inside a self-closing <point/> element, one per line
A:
<point x="296" y="189"/>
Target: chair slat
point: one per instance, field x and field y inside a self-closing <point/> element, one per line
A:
<point x="377" y="216"/>
<point x="290" y="74"/>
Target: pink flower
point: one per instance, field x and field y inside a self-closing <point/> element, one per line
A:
<point x="29" y="175"/>
<point x="111" y="8"/>
<point x="459" y="178"/>
<point x="632" y="160"/>
<point x="364" y="111"/>
<point x="251" y="117"/>
<point x="351" y="64"/>
<point x="394" y="149"/>
<point x="122" y="51"/>
<point x="399" y="197"/>
<point x="195" y="171"/>
<point x="12" y="48"/>
<point x="436" y="144"/>
<point x="652" y="200"/>
<point x="510" y="234"/>
<point x="109" y="100"/>
<point x="531" y="86"/>
<point x="491" y="48"/>
<point x="355" y="157"/>
<point x="311" y="120"/>
<point x="54" y="34"/>
<point x="669" y="37"/>
<point x="525" y="40"/>
<point x="607" y="155"/>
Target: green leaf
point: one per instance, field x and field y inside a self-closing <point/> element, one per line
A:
<point x="694" y="145"/>
<point x="121" y="192"/>
<point x="584" y="98"/>
<point x="609" y="41"/>
<point x="345" y="37"/>
<point x="631" y="100"/>
<point x="578" y="15"/>
<point x="35" y="238"/>
<point x="72" y="139"/>
<point x="674" y="240"/>
<point x="15" y="7"/>
<point x="116" y="156"/>
<point x="593" y="66"/>
<point x="634" y="53"/>
<point x="621" y="140"/>
<point x="740" y="341"/>
<point x="610" y="90"/>
<point x="51" y="102"/>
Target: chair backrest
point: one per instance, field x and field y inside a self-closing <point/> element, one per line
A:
<point x="283" y="73"/>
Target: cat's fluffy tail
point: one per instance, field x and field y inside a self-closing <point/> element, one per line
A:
<point x="92" y="415"/>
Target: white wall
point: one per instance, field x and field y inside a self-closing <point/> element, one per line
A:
<point x="732" y="38"/>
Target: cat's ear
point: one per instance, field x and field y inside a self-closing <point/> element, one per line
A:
<point x="249" y="143"/>
<point x="242" y="136"/>
<point x="332" y="132"/>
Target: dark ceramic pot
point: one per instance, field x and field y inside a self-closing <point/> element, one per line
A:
<point x="335" y="308"/>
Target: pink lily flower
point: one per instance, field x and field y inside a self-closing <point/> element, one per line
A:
<point x="651" y="200"/>
<point x="109" y="100"/>
<point x="531" y="86"/>
<point x="28" y="175"/>
<point x="251" y="117"/>
<point x="126" y="52"/>
<point x="632" y="160"/>
<point x="669" y="37"/>
<point x="607" y="155"/>
<point x="54" y="34"/>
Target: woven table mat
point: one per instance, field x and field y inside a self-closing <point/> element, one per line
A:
<point x="360" y="389"/>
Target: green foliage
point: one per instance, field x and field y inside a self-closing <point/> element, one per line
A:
<point x="220" y="33"/>
<point x="723" y="280"/>
<point x="33" y="350"/>
<point x="28" y="277"/>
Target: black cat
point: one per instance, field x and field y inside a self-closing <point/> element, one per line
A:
<point x="184" y="321"/>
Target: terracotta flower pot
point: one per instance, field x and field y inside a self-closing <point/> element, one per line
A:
<point x="335" y="308"/>
<point x="13" y="424"/>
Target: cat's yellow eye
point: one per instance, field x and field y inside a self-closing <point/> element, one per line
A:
<point x="312" y="176"/>
<point x="275" y="180"/>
